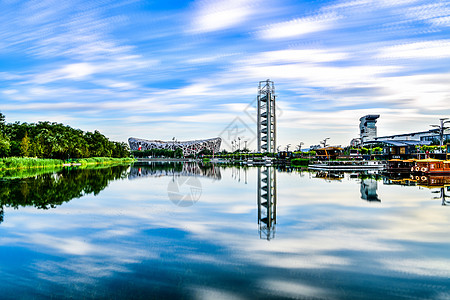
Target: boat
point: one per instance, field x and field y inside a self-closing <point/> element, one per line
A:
<point x="362" y="165"/>
<point x="400" y="166"/>
<point x="431" y="166"/>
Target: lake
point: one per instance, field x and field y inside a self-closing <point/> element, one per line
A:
<point x="174" y="230"/>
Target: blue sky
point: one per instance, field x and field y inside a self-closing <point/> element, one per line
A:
<point x="189" y="69"/>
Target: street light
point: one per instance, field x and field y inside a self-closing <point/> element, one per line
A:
<point x="239" y="150"/>
<point x="441" y="130"/>
<point x="287" y="147"/>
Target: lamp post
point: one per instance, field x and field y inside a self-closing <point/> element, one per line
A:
<point x="239" y="150"/>
<point x="287" y="147"/>
<point x="441" y="129"/>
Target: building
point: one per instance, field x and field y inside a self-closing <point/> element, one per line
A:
<point x="266" y="117"/>
<point x="368" y="134"/>
<point x="367" y="128"/>
<point x="424" y="136"/>
<point x="188" y="147"/>
<point x="328" y="153"/>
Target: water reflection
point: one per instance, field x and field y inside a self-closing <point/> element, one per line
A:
<point x="131" y="242"/>
<point x="49" y="190"/>
<point x="267" y="202"/>
<point x="158" y="169"/>
<point x="368" y="189"/>
<point x="443" y="195"/>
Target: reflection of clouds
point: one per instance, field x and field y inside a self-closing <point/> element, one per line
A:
<point x="201" y="292"/>
<point x="321" y="226"/>
<point x="294" y="289"/>
<point x="422" y="266"/>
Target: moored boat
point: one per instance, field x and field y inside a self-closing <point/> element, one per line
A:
<point x="400" y="166"/>
<point x="431" y="166"/>
<point x="362" y="165"/>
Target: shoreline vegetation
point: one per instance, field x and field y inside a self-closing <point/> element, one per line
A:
<point x="12" y="163"/>
<point x="52" y="145"/>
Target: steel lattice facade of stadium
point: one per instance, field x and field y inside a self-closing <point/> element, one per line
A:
<point x="188" y="147"/>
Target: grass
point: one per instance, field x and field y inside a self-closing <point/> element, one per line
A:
<point x="300" y="162"/>
<point x="10" y="163"/>
<point x="28" y="162"/>
<point x="103" y="160"/>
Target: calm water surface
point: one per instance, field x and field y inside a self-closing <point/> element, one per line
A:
<point x="195" y="232"/>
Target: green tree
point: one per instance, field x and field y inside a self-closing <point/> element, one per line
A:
<point x="179" y="153"/>
<point x="4" y="146"/>
<point x="25" y="146"/>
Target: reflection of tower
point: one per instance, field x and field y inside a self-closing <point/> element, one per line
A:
<point x="443" y="196"/>
<point x="369" y="190"/>
<point x="267" y="134"/>
<point x="267" y="202"/>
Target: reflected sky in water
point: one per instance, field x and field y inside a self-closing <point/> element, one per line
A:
<point x="337" y="237"/>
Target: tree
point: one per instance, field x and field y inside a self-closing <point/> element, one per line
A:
<point x="2" y="123"/>
<point x="179" y="153"/>
<point x="25" y="146"/>
<point x="4" y="146"/>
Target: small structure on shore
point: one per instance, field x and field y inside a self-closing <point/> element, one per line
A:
<point x="328" y="153"/>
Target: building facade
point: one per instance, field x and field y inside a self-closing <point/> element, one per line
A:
<point x="266" y="117"/>
<point x="367" y="128"/>
<point x="188" y="147"/>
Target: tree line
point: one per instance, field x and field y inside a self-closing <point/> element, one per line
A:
<point x="55" y="140"/>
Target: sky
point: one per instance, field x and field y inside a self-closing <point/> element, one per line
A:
<point x="190" y="69"/>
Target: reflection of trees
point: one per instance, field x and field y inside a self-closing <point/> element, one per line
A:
<point x="49" y="190"/>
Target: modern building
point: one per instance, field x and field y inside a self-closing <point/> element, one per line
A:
<point x="266" y="118"/>
<point x="367" y="128"/>
<point x="368" y="134"/>
<point x="188" y="147"/>
<point x="430" y="136"/>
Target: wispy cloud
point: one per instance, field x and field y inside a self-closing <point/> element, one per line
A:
<point x="175" y="62"/>
<point x="423" y="50"/>
<point x="299" y="26"/>
<point x="213" y="15"/>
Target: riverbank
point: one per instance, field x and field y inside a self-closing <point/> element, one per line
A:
<point x="10" y="163"/>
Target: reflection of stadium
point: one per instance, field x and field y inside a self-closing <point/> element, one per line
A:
<point x="154" y="169"/>
<point x="188" y="147"/>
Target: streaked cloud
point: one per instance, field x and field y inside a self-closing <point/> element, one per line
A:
<point x="127" y="61"/>
<point x="299" y="26"/>
<point x="213" y="15"/>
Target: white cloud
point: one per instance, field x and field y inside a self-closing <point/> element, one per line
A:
<point x="77" y="71"/>
<point x="220" y="14"/>
<point x="299" y="26"/>
<point x="424" y="50"/>
<point x="298" y="55"/>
